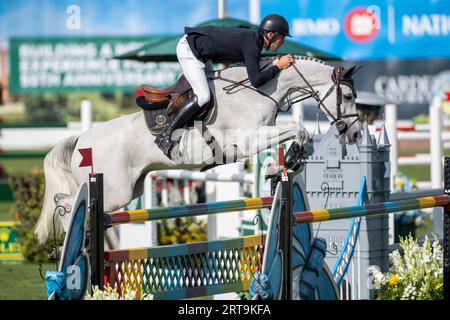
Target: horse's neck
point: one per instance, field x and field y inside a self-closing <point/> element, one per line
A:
<point x="316" y="72"/>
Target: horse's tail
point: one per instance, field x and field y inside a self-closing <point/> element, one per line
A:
<point x="58" y="179"/>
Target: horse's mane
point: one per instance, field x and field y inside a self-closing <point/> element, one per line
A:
<point x="311" y="59"/>
<point x="265" y="60"/>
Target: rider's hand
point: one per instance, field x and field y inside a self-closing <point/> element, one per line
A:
<point x="285" y="61"/>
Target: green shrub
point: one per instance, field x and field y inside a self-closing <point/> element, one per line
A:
<point x="45" y="108"/>
<point x="28" y="191"/>
<point x="60" y="108"/>
<point x="103" y="109"/>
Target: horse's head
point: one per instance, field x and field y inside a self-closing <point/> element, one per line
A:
<point x="334" y="91"/>
<point x="338" y="104"/>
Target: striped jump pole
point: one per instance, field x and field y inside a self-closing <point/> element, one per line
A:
<point x="371" y="209"/>
<point x="192" y="210"/>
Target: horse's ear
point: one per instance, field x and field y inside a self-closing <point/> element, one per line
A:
<point x="357" y="69"/>
<point x="350" y="72"/>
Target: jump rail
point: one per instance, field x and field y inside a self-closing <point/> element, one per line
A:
<point x="187" y="270"/>
<point x="372" y="209"/>
<point x="183" y="270"/>
<point x="101" y="220"/>
<point x="192" y="210"/>
<point x="204" y="176"/>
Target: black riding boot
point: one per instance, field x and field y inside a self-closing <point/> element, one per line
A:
<point x="164" y="140"/>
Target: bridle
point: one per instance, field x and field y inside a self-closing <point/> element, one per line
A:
<point x="338" y="78"/>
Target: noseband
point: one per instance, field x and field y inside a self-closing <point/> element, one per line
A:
<point x="338" y="78"/>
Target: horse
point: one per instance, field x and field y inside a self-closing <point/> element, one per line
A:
<point x="125" y="152"/>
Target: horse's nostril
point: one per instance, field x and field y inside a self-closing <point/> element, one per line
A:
<point x="356" y="135"/>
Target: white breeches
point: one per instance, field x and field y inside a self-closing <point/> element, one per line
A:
<point x="194" y="71"/>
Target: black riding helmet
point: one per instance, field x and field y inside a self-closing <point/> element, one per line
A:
<point x="275" y="23"/>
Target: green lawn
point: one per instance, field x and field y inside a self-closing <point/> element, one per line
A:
<point x="425" y="228"/>
<point x="418" y="172"/>
<point x="22" y="281"/>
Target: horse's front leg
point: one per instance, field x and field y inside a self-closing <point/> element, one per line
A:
<point x="265" y="137"/>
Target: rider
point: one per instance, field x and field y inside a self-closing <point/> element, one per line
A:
<point x="204" y="44"/>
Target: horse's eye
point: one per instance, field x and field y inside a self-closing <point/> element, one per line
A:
<point x="348" y="97"/>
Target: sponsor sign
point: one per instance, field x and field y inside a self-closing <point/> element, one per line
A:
<point x="75" y="64"/>
<point x="367" y="29"/>
<point x="9" y="243"/>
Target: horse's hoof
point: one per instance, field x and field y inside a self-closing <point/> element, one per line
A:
<point x="294" y="157"/>
<point x="298" y="166"/>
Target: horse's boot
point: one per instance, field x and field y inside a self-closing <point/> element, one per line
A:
<point x="293" y="158"/>
<point x="164" y="140"/>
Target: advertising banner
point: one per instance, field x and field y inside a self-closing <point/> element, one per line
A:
<point x="9" y="243"/>
<point x="70" y="64"/>
<point x="367" y="29"/>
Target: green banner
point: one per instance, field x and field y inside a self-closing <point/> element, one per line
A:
<point x="9" y="243"/>
<point x="79" y="64"/>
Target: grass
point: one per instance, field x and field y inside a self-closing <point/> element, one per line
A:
<point x="425" y="228"/>
<point x="22" y="281"/>
<point x="418" y="172"/>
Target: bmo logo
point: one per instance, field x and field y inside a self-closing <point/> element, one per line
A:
<point x="362" y="24"/>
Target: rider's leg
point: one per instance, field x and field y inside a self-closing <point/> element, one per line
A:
<point x="194" y="72"/>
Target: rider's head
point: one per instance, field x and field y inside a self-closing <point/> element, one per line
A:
<point x="274" y="28"/>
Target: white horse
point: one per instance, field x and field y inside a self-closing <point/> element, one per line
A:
<point x="124" y="150"/>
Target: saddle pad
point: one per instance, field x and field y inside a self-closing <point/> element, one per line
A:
<point x="157" y="118"/>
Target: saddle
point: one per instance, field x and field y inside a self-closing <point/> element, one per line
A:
<point x="161" y="104"/>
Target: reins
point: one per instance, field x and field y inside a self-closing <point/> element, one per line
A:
<point x="309" y="92"/>
<point x="336" y="77"/>
<point x="243" y="83"/>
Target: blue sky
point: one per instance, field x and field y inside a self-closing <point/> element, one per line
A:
<point x="108" y="17"/>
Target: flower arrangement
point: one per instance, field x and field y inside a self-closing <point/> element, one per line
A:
<point x="415" y="275"/>
<point x="182" y="230"/>
<point x="110" y="293"/>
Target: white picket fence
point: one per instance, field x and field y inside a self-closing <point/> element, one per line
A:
<point x="435" y="134"/>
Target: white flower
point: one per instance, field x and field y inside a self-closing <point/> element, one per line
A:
<point x="109" y="293"/>
<point x="418" y="270"/>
